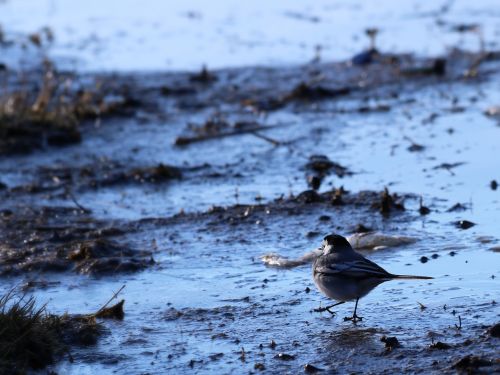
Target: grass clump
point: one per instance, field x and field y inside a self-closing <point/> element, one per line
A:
<point x="31" y="338"/>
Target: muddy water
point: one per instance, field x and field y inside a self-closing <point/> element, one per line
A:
<point x="208" y="304"/>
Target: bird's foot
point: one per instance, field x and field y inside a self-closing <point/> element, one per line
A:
<point x="355" y="318"/>
<point x="323" y="309"/>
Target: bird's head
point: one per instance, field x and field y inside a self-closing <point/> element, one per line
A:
<point x="333" y="243"/>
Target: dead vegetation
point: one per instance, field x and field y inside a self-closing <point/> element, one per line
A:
<point x="49" y="109"/>
<point x="31" y="338"/>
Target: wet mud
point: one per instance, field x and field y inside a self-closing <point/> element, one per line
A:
<point x="177" y="184"/>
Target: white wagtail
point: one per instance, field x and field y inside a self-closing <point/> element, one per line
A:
<point x="344" y="275"/>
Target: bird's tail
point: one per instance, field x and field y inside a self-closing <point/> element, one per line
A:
<point x="410" y="277"/>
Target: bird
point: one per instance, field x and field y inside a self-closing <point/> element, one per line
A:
<point x="343" y="274"/>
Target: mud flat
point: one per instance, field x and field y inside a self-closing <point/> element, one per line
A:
<point x="175" y="185"/>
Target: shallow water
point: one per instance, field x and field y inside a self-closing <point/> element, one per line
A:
<point x="209" y="292"/>
<point x="128" y="36"/>
<point x="228" y="300"/>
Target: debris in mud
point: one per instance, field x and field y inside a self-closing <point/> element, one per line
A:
<point x="176" y="91"/>
<point x="390" y="343"/>
<point x="31" y="338"/>
<point x="60" y="240"/>
<point x="464" y="224"/>
<point x="449" y="166"/>
<point x="284" y="356"/>
<point x="311" y="369"/>
<point x="371" y="54"/>
<point x="322" y="165"/>
<point x="494" y="331"/>
<point x="113" y="312"/>
<point x="388" y="203"/>
<point x="159" y="173"/>
<point x="337" y="197"/>
<point x="361" y="228"/>
<point x="308" y="196"/>
<point x="216" y="356"/>
<point x="39" y="284"/>
<point x="471" y="364"/>
<point x="101" y="174"/>
<point x="204" y="76"/>
<point x="304" y="91"/>
<point x="313" y="181"/>
<point x="414" y="147"/>
<point x="216" y="128"/>
<point x="493" y="111"/>
<point x="439" y="345"/>
<point x="423" y="210"/>
<point x="52" y="114"/>
<point x="424" y="259"/>
<point x="438" y="68"/>
<point x="457" y="207"/>
<point x="259" y="366"/>
<point x="102" y="256"/>
<point x="365" y="57"/>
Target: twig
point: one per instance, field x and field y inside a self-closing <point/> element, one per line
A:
<point x="268" y="139"/>
<point x="183" y="141"/>
<point x="111" y="299"/>
<point x="459" y="326"/>
<point x="422" y="306"/>
<point x="472" y="70"/>
<point x="73" y="198"/>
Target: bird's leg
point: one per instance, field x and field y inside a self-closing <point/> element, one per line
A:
<point x="354" y="318"/>
<point x="327" y="308"/>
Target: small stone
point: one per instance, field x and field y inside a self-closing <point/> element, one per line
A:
<point x="440" y="345"/>
<point x="464" y="224"/>
<point x="390" y="342"/>
<point x="310" y="369"/>
<point x="424" y="259"/>
<point x="495" y="330"/>
<point x="259" y="366"/>
<point x="284" y="356"/>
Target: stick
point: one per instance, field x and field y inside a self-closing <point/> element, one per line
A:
<point x="111" y="299"/>
<point x="73" y="198"/>
<point x="268" y="139"/>
<point x="182" y="141"/>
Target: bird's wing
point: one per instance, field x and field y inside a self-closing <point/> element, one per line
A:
<point x="356" y="268"/>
